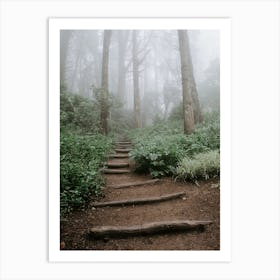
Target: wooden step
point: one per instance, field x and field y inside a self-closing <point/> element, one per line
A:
<point x="114" y="171"/>
<point x="123" y="143"/>
<point x="122" y="150"/>
<point x="123" y="147"/>
<point x="117" y="164"/>
<point x="119" y="156"/>
<point x="148" y="228"/>
<point x="140" y="200"/>
<point x="134" y="184"/>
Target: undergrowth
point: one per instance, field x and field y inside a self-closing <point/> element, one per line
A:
<point x="201" y="166"/>
<point x="158" y="149"/>
<point x="82" y="151"/>
<point x="80" y="160"/>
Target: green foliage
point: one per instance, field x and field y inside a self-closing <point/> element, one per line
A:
<point x="158" y="156"/>
<point x="80" y="160"/>
<point x="202" y="166"/>
<point x="78" y="113"/>
<point x="158" y="149"/>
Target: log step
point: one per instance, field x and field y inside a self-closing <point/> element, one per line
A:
<point x="140" y="200"/>
<point x="114" y="171"/>
<point x="117" y="164"/>
<point x="123" y="143"/>
<point x="122" y="150"/>
<point x="119" y="156"/>
<point x="148" y="228"/>
<point x="134" y="184"/>
<point x="123" y="147"/>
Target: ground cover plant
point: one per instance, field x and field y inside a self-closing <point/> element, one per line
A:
<point x="82" y="152"/>
<point x="201" y="166"/>
<point x="158" y="149"/>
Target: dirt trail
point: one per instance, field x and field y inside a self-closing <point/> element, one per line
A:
<point x="198" y="203"/>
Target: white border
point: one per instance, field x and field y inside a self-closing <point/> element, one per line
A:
<point x="221" y="24"/>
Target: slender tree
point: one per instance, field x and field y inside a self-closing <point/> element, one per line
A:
<point x="104" y="114"/>
<point x="137" y="104"/>
<point x="122" y="46"/>
<point x="65" y="36"/>
<point x="186" y="73"/>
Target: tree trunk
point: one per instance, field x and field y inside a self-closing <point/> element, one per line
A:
<point x="121" y="65"/>
<point x="187" y="83"/>
<point x="65" y="36"/>
<point x="137" y="104"/>
<point x="195" y="100"/>
<point x="149" y="228"/>
<point x="140" y="200"/>
<point x="133" y="184"/>
<point x="104" y="116"/>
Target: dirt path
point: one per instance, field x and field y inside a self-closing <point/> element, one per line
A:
<point x="197" y="203"/>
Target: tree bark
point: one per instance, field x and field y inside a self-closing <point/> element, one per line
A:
<point x="195" y="100"/>
<point x="137" y="103"/>
<point x="121" y="64"/>
<point x="140" y="200"/>
<point x="134" y="184"/>
<point x="148" y="228"/>
<point x="65" y="36"/>
<point x="104" y="115"/>
<point x="191" y="107"/>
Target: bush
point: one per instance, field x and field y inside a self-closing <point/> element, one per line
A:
<point x="80" y="160"/>
<point x="158" y="149"/>
<point x="158" y="156"/>
<point x="202" y="166"/>
<point x="79" y="114"/>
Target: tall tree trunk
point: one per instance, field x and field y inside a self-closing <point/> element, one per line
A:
<point x="196" y="104"/>
<point x="192" y="85"/>
<point x="65" y="36"/>
<point x="137" y="104"/>
<point x="186" y="74"/>
<point x="104" y="115"/>
<point x="121" y="65"/>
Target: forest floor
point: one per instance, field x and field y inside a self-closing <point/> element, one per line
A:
<point x="198" y="203"/>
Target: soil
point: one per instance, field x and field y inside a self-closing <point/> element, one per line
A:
<point x="200" y="203"/>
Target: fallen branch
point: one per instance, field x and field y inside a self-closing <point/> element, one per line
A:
<point x="140" y="200"/>
<point x="122" y="150"/>
<point x="117" y="164"/>
<point x="118" y="156"/>
<point x="114" y="171"/>
<point x="134" y="184"/>
<point x="149" y="228"/>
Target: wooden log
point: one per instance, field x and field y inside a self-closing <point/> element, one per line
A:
<point x="123" y="142"/>
<point x="140" y="200"/>
<point x="117" y="164"/>
<point x="134" y="184"/>
<point x="124" y="145"/>
<point x="119" y="156"/>
<point x="122" y="150"/>
<point x="148" y="228"/>
<point x="114" y="171"/>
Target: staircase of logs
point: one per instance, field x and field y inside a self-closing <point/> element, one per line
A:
<point x="118" y="163"/>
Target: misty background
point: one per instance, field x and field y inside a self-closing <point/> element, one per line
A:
<point x="160" y="85"/>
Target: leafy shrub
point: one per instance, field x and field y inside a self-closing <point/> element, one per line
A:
<point x="202" y="166"/>
<point x="80" y="160"/>
<point x="79" y="114"/>
<point x="158" y="149"/>
<point x="158" y="156"/>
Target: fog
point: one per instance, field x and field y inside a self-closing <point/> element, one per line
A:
<point x="159" y="67"/>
